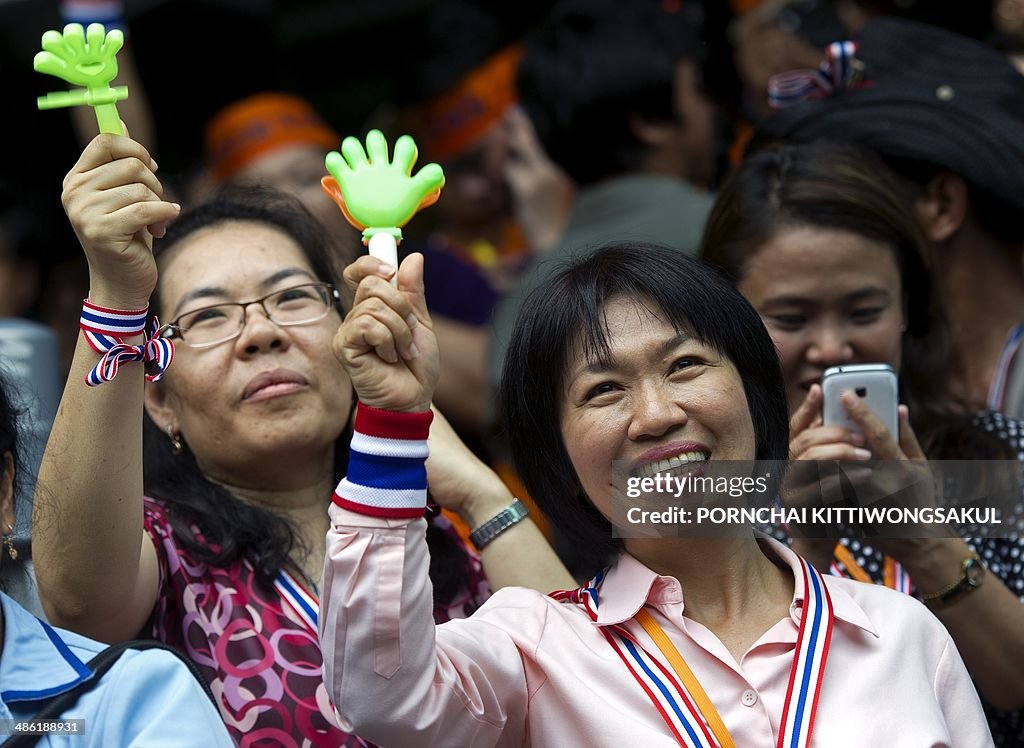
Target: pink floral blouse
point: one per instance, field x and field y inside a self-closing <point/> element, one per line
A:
<point x="260" y="655"/>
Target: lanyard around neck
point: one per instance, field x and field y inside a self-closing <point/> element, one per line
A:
<point x="690" y="682"/>
<point x="805" y="677"/>
<point x="997" y="388"/>
<point x="894" y="576"/>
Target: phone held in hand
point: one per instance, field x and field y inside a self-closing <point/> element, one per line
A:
<point x="876" y="384"/>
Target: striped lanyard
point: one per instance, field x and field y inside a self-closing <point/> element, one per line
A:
<point x="304" y="604"/>
<point x="894" y="575"/>
<point x="681" y="701"/>
<point x="306" y="607"/>
<point x="997" y="390"/>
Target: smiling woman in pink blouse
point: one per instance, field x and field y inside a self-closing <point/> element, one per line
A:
<point x="638" y="354"/>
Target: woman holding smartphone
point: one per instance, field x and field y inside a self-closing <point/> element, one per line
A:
<point x="823" y="244"/>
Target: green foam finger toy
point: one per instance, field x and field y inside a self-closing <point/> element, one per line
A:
<point x="377" y="195"/>
<point x="88" y="58"/>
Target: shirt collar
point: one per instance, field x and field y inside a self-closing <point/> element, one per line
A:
<point x="844" y="607"/>
<point x="36" y="663"/>
<point x="629" y="585"/>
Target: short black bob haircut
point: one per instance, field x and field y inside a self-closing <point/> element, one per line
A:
<point x="567" y="313"/>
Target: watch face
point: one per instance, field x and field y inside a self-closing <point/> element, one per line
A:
<point x="974" y="572"/>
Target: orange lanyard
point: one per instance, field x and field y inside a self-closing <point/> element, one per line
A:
<point x="689" y="680"/>
<point x="857" y="572"/>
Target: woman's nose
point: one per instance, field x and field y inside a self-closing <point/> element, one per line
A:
<point x="830" y="345"/>
<point x="259" y="332"/>
<point x="655" y="412"/>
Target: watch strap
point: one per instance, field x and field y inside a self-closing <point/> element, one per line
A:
<point x="960" y="587"/>
<point x="508" y="517"/>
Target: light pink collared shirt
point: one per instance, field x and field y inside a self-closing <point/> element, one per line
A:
<point x="528" y="670"/>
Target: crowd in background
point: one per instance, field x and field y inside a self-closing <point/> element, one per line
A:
<point x="865" y="199"/>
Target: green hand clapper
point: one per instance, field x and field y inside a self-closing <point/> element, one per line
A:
<point x="88" y="58"/>
<point x="377" y="195"/>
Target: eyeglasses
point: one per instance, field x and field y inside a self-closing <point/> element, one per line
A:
<point x="298" y="305"/>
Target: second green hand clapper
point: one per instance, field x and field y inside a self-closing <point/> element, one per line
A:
<point x="379" y="196"/>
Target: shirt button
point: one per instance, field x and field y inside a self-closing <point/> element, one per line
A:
<point x="749" y="697"/>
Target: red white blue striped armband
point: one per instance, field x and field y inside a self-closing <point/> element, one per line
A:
<point x="387" y="474"/>
<point x="105" y="330"/>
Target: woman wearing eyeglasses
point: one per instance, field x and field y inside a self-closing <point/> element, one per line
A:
<point x="239" y="457"/>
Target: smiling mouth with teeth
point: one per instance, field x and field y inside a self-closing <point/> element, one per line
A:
<point x="677" y="465"/>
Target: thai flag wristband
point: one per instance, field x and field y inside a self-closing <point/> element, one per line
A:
<point x="103" y="322"/>
<point x="387" y="474"/>
<point x="105" y="330"/>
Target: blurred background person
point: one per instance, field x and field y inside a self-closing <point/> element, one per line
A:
<point x="946" y="113"/>
<point x="275" y="139"/>
<point x="822" y="241"/>
<point x="145" y="698"/>
<point x="30" y="359"/>
<point x="504" y="204"/>
<point x="615" y="94"/>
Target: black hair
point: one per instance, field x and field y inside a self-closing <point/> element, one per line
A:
<point x="848" y="188"/>
<point x="9" y="415"/>
<point x="567" y="313"/>
<point x="967" y="19"/>
<point x="251" y="202"/>
<point x="456" y="36"/>
<point x="592" y="67"/>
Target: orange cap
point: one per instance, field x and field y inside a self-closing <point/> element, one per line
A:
<point x="251" y="127"/>
<point x="455" y="119"/>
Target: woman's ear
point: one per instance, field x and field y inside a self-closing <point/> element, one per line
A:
<point x="7" y="493"/>
<point x="159" y="402"/>
<point x="943" y="205"/>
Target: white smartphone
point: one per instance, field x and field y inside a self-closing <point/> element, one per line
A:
<point x="876" y="384"/>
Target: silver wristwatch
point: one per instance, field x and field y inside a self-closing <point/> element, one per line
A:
<point x="511" y="515"/>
